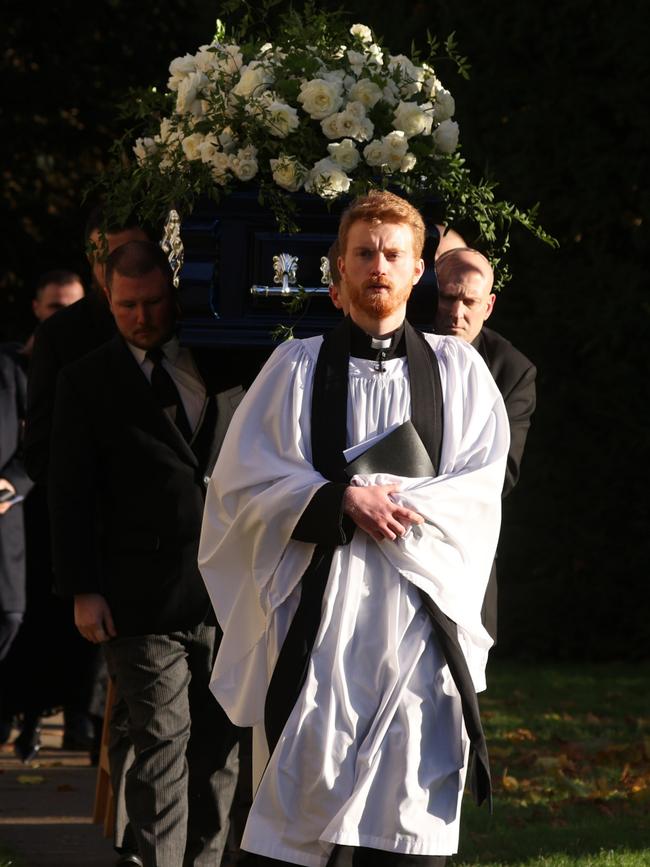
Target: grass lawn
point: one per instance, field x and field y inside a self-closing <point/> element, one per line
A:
<point x="570" y="755"/>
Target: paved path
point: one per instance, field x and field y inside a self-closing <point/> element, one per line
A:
<point x="46" y="807"/>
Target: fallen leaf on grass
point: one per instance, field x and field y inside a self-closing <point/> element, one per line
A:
<point x="30" y="779"/>
<point x="509" y="783"/>
<point x="520" y="735"/>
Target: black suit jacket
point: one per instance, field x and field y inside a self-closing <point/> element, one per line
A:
<point x="126" y="491"/>
<point x="514" y="375"/>
<point x="68" y="335"/>
<point x="12" y="536"/>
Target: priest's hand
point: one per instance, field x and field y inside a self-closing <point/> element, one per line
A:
<point x="93" y="617"/>
<point x="372" y="509"/>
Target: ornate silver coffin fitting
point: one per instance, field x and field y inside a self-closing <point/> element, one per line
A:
<point x="285" y="271"/>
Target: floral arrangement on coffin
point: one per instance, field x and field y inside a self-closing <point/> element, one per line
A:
<point x="323" y="108"/>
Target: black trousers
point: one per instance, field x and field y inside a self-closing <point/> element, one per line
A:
<point x="180" y="787"/>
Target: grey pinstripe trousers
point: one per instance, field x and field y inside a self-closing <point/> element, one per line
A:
<point x="180" y="786"/>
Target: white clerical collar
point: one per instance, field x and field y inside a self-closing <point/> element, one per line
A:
<point x="170" y="350"/>
<point x="381" y="342"/>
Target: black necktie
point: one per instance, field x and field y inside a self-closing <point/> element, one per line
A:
<point x="167" y="394"/>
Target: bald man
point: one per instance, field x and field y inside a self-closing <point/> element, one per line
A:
<point x="465" y="302"/>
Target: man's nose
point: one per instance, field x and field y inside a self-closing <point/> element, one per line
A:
<point x="378" y="263"/>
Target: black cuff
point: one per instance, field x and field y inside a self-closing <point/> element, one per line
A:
<point x="323" y="521"/>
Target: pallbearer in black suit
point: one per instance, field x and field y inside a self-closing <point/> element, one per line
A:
<point x="465" y="301"/>
<point x="137" y="427"/>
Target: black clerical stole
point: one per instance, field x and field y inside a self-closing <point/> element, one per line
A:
<point x="167" y="393"/>
<point x="328" y="434"/>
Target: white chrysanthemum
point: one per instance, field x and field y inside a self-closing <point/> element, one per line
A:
<point x="327" y="180"/>
<point x="374" y="153"/>
<point x="344" y="154"/>
<point x="188" y="94"/>
<point x="363" y="32"/>
<point x="413" y="119"/>
<point x="366" y="92"/>
<point x="191" y="145"/>
<point x="444" y="105"/>
<point x="320" y="98"/>
<point x="288" y="173"/>
<point x="253" y="79"/>
<point x="446" y="137"/>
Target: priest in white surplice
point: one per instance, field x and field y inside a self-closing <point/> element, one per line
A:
<point x="351" y="603"/>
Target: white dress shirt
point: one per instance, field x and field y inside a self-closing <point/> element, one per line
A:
<point x="179" y="364"/>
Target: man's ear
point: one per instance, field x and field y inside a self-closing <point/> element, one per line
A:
<point x="418" y="270"/>
<point x="334" y="295"/>
<point x="489" y="306"/>
<point x="341" y="265"/>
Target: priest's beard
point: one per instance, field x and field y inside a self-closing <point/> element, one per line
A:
<point x="378" y="305"/>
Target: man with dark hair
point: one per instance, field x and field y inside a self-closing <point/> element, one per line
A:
<point x="465" y="302"/>
<point x="137" y="426"/>
<point x="67" y="336"/>
<point x="347" y="538"/>
<point x="54" y="291"/>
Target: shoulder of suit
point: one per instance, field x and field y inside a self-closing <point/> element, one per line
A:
<point x="94" y="363"/>
<point x="499" y="346"/>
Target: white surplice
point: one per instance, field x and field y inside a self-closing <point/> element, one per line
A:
<point x="374" y="752"/>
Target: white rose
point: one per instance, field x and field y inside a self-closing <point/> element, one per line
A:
<point x="281" y="119"/>
<point x="168" y="132"/>
<point x="330" y="126"/>
<point x="254" y="77"/>
<point x="375" y="55"/>
<point x="430" y="85"/>
<point x="357" y="61"/>
<point x="374" y="153"/>
<point x="408" y="162"/>
<point x="188" y="94"/>
<point x="144" y="148"/>
<point x="327" y="180"/>
<point x="336" y="75"/>
<point x="395" y="144"/>
<point x="366" y="92"/>
<point x="288" y="173"/>
<point x="356" y="110"/>
<point x="446" y="136"/>
<point x="220" y="164"/>
<point x="179" y="68"/>
<point x="345" y="154"/>
<point x="409" y="75"/>
<point x="391" y="93"/>
<point x="230" y="59"/>
<point x="444" y="106"/>
<point x="244" y="163"/>
<point x="208" y="148"/>
<point x="413" y="119"/>
<point x="206" y="60"/>
<point x="362" y="32"/>
<point x="227" y="140"/>
<point x="320" y="98"/>
<point x="191" y="145"/>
